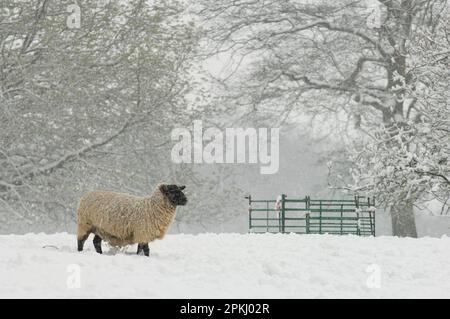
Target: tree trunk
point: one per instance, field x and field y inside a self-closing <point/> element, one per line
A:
<point x="403" y="221"/>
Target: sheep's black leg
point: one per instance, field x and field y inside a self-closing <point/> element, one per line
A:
<point x="98" y="244"/>
<point x="81" y="242"/>
<point x="143" y="247"/>
<point x="146" y="249"/>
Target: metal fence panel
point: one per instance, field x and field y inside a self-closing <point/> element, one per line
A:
<point x="313" y="216"/>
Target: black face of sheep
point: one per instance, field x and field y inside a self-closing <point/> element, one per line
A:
<point x="174" y="194"/>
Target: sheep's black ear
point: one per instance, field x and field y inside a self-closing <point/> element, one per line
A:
<point x="181" y="187"/>
<point x="163" y="188"/>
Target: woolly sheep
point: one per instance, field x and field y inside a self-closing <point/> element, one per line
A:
<point x="123" y="219"/>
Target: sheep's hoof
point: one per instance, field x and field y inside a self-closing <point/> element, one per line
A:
<point x="144" y="248"/>
<point x="98" y="244"/>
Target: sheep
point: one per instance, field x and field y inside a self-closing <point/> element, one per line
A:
<point x="122" y="219"/>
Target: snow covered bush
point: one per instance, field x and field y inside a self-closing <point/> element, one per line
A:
<point x="403" y="166"/>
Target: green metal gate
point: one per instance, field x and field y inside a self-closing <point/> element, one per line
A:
<point x="312" y="216"/>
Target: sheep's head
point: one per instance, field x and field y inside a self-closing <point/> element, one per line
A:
<point x="174" y="194"/>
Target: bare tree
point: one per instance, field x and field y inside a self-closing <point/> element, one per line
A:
<point x="324" y="58"/>
<point x="86" y="107"/>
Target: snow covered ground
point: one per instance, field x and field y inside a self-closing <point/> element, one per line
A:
<point x="228" y="266"/>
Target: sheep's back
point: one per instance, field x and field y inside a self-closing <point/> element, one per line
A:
<point x="110" y="212"/>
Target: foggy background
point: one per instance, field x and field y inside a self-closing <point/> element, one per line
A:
<point x="88" y="101"/>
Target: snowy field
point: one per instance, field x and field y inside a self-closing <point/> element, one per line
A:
<point x="228" y="266"/>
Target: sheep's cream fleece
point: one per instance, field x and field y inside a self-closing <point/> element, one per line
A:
<point x="123" y="219"/>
